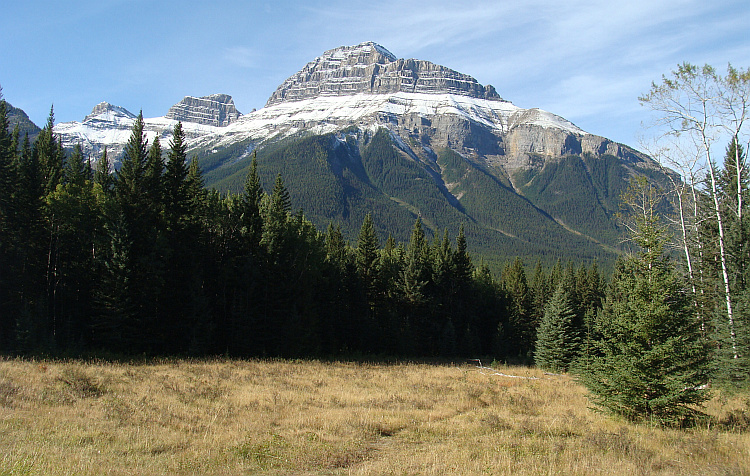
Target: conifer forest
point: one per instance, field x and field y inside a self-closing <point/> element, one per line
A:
<point x="147" y="261"/>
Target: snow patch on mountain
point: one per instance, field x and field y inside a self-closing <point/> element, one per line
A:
<point x="325" y="114"/>
<point x="111" y="126"/>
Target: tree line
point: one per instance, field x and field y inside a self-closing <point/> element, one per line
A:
<point x="146" y="260"/>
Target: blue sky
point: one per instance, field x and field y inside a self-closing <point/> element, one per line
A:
<point x="587" y="61"/>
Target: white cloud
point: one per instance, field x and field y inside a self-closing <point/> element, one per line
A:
<point x="241" y="56"/>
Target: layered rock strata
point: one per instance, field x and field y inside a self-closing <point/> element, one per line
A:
<point x="215" y="110"/>
<point x="369" y="68"/>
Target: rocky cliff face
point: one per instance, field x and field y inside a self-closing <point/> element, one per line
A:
<point x="215" y="110"/>
<point x="110" y="126"/>
<point x="371" y="69"/>
<point x="424" y="102"/>
<point x="17" y="117"/>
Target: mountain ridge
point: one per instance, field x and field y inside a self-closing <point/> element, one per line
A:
<point x="447" y="149"/>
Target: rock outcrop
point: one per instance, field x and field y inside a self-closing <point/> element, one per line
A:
<point x="18" y="117"/>
<point x="104" y="111"/>
<point x="215" y="110"/>
<point x="418" y="100"/>
<point x="369" y="68"/>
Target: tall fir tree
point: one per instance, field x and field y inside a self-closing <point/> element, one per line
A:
<point x="50" y="156"/>
<point x="558" y="338"/>
<point x="732" y="365"/>
<point x="650" y="361"/>
<point x="10" y="186"/>
<point x="520" y="332"/>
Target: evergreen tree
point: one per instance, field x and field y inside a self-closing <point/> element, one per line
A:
<point x="10" y="186"/>
<point x="366" y="258"/>
<point x="153" y="175"/>
<point x="49" y="155"/>
<point x="419" y="331"/>
<point x="541" y="291"/>
<point x="520" y="332"/>
<point x="650" y="361"/>
<point x="194" y="187"/>
<point x="74" y="219"/>
<point x="732" y="365"/>
<point x="461" y="259"/>
<point x="176" y="200"/>
<point x="135" y="216"/>
<point x="275" y="220"/>
<point x="76" y="171"/>
<point x="252" y="201"/>
<point x="558" y="338"/>
<point x="102" y="174"/>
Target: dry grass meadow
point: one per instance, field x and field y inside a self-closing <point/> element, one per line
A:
<point x="309" y="418"/>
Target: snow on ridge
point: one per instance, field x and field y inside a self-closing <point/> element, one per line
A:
<point x="338" y="109"/>
<point x="327" y="114"/>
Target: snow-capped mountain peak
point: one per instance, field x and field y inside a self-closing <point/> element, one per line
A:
<point x="107" y="112"/>
<point x="368" y="87"/>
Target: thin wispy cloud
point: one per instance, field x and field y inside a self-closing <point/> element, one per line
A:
<point x="241" y="56"/>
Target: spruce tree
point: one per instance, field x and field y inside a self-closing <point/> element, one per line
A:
<point x="10" y="186"/>
<point x="366" y="256"/>
<point x="732" y="364"/>
<point x="558" y="339"/>
<point x="50" y="155"/>
<point x="252" y="200"/>
<point x="275" y="220"/>
<point x="520" y="332"/>
<point x="135" y="215"/>
<point x="175" y="182"/>
<point x="650" y="361"/>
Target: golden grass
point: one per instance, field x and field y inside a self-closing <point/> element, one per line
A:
<point x="309" y="417"/>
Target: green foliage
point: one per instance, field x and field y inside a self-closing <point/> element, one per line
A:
<point x="342" y="177"/>
<point x="558" y="338"/>
<point x="649" y="360"/>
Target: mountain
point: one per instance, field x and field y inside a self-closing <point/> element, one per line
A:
<point x="18" y="117"/>
<point x="358" y="130"/>
<point x="109" y="125"/>
<point x="215" y="110"/>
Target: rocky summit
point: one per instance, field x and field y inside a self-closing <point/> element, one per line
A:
<point x="215" y="110"/>
<point x="371" y="69"/>
<point x="369" y="87"/>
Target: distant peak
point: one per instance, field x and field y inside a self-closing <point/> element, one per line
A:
<point x="105" y="107"/>
<point x="214" y="110"/>
<point x="368" y="52"/>
<point x="369" y="68"/>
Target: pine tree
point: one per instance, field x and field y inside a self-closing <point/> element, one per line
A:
<point x="541" y="291"/>
<point x="50" y="156"/>
<point x="558" y="338"/>
<point x="153" y="175"/>
<point x="650" y="361"/>
<point x="76" y="171"/>
<point x="275" y="220"/>
<point x="10" y="186"/>
<point x="366" y="257"/>
<point x="461" y="259"/>
<point x="252" y="200"/>
<point x="136" y="216"/>
<point x="520" y="332"/>
<point x="732" y="365"/>
<point x="73" y="215"/>
<point x="176" y="200"/>
<point x="102" y="174"/>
